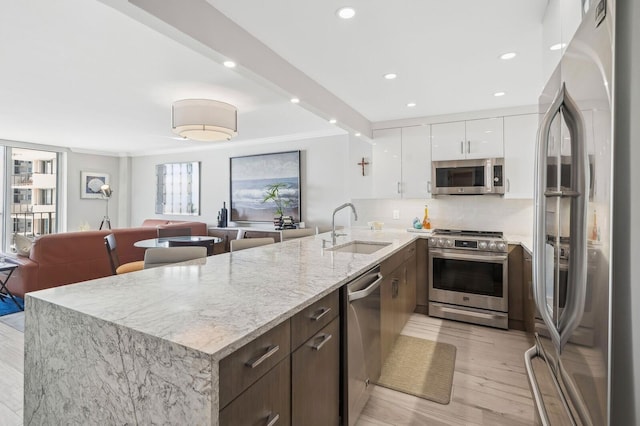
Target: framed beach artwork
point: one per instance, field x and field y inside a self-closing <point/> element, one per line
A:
<point x="251" y="178"/>
<point x="90" y="183"/>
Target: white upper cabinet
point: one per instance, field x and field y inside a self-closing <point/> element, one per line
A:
<point x="387" y="163"/>
<point x="401" y="162"/>
<point x="519" y="154"/>
<point x="485" y="138"/>
<point x="416" y="162"/>
<point x="448" y="141"/>
<point x="467" y="139"/>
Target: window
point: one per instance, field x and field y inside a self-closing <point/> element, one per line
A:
<point x="178" y="188"/>
<point x="30" y="192"/>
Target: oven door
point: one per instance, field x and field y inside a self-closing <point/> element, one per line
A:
<point x="465" y="278"/>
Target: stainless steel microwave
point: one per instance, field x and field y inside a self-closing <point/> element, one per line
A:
<point x="467" y="177"/>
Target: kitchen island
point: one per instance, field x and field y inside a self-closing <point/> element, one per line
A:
<point x="145" y="347"/>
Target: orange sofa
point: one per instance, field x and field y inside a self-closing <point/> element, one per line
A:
<point x="71" y="257"/>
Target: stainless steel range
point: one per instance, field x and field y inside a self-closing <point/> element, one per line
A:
<point x="468" y="277"/>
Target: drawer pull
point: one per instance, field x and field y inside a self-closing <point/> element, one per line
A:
<point x="325" y="339"/>
<point x="256" y="361"/>
<point x="273" y="419"/>
<point x="320" y="313"/>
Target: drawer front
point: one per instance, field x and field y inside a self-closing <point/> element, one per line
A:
<point x="246" y="365"/>
<point x="310" y="320"/>
<point x="409" y="251"/>
<point x="315" y="381"/>
<point x="266" y="402"/>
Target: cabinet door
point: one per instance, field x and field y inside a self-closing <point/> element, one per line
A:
<point x="529" y="303"/>
<point x="448" y="141"/>
<point x="387" y="163"/>
<point x="519" y="154"/>
<point x="410" y="297"/>
<point x="416" y="162"/>
<point x="516" y="302"/>
<point x="315" y="379"/>
<point x="386" y="316"/>
<point x="484" y="138"/>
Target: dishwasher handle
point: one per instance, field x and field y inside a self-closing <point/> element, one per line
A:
<point x="360" y="294"/>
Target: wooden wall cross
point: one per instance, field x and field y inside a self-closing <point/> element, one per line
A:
<point x="362" y="163"/>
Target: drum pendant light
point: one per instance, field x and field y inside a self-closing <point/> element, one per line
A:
<point x="204" y="120"/>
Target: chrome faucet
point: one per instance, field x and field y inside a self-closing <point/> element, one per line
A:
<point x="333" y="220"/>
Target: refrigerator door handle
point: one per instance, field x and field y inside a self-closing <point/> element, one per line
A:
<point x="540" y="222"/>
<point x="529" y="355"/>
<point x="577" y="276"/>
<point x="572" y="313"/>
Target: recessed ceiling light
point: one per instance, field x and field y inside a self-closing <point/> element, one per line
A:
<point x="346" y="12"/>
<point x="333" y="121"/>
<point x="357" y="134"/>
<point x="411" y="104"/>
<point x="229" y="64"/>
<point x="557" y="46"/>
<point x="498" y="94"/>
<point x="295" y="100"/>
<point x="390" y="76"/>
<point x="508" y="55"/>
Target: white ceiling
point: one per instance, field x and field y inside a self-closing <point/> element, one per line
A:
<point x="81" y="74"/>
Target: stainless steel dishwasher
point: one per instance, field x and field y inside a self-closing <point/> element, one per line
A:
<point x="363" y="340"/>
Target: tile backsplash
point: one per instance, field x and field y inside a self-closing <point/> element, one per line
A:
<point x="477" y="212"/>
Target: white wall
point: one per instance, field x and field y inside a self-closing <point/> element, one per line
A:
<point x="323" y="179"/>
<point x="479" y="212"/>
<point x="82" y="211"/>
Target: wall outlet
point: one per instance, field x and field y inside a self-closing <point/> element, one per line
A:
<point x="396" y="214"/>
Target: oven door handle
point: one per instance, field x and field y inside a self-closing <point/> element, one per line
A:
<point x="497" y="258"/>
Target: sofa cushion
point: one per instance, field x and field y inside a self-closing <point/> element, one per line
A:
<point x="23" y="244"/>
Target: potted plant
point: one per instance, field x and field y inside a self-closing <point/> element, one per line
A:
<point x="272" y="193"/>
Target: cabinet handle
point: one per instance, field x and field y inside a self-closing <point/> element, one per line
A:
<point x="468" y="147"/>
<point x="429" y="187"/>
<point x="395" y="287"/>
<point x="461" y="147"/>
<point x="273" y="419"/>
<point x="399" y="188"/>
<point x="259" y="359"/>
<point x="508" y="186"/>
<point x="325" y="339"/>
<point x="320" y="313"/>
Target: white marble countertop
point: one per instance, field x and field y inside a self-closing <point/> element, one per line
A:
<point x="229" y="299"/>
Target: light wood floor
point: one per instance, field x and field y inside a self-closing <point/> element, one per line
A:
<point x="489" y="384"/>
<point x="11" y="369"/>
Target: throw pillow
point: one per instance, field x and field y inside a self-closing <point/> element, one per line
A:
<point x="23" y="244"/>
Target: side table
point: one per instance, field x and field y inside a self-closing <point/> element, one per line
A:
<point x="7" y="269"/>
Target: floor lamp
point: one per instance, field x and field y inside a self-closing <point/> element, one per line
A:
<point x="106" y="193"/>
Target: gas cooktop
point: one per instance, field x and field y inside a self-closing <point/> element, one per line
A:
<point x="468" y="233"/>
<point x="468" y="240"/>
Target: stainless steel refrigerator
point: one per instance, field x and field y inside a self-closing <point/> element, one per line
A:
<point x="569" y="367"/>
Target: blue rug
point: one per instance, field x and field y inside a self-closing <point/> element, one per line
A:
<point x="8" y="307"/>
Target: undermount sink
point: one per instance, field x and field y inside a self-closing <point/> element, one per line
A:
<point x="360" y="247"/>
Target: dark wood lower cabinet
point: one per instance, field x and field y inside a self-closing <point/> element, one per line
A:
<point x="266" y="402"/>
<point x="315" y="379"/>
